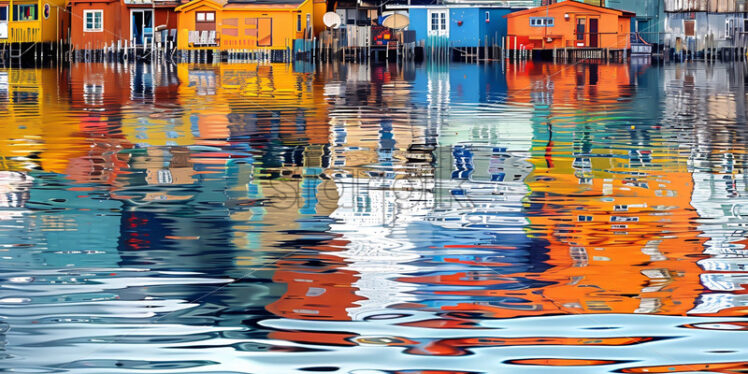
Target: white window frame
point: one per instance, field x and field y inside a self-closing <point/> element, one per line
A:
<point x="438" y="22"/>
<point x="93" y="12"/>
<point x="542" y="21"/>
<point x="207" y="16"/>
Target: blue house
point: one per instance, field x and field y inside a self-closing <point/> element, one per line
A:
<point x="458" y="25"/>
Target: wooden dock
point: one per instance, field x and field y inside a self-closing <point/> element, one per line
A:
<point x="577" y="54"/>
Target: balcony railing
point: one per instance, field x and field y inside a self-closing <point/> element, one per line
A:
<point x="23" y="33"/>
<point x="202" y="38"/>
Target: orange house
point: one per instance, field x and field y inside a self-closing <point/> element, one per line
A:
<point x="239" y="24"/>
<point x="96" y="24"/>
<point x="569" y="24"/>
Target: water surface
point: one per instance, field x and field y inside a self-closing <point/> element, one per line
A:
<point x="243" y="218"/>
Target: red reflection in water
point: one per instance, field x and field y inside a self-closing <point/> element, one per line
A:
<point x="561" y="362"/>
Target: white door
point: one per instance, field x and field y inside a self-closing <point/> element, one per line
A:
<point x="438" y="20"/>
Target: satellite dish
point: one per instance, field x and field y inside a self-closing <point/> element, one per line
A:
<point x="331" y="19"/>
<point x="396" y="21"/>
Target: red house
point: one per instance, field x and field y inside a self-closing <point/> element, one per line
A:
<point x="96" y="24"/>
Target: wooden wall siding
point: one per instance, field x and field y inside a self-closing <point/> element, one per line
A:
<point x="714" y="6"/>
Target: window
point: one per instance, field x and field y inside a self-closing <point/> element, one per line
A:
<point x="538" y="21"/>
<point x="434" y="21"/>
<point x="93" y="20"/>
<point x="689" y="27"/>
<point x="205" y="16"/>
<point x="26" y="12"/>
<point x="298" y="23"/>
<point x="3" y="22"/>
<point x="309" y="22"/>
<point x="581" y="22"/>
<point x="488" y="17"/>
<point x="443" y="21"/>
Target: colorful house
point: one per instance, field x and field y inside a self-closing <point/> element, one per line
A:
<point x="243" y="24"/>
<point x="96" y="24"/>
<point x="32" y="21"/>
<point x="465" y="25"/>
<point x="708" y="26"/>
<point x="569" y="24"/>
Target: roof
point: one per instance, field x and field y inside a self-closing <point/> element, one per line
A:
<point x="238" y="4"/>
<point x="453" y="6"/>
<point x="572" y="3"/>
<point x="216" y="4"/>
<point x="265" y="3"/>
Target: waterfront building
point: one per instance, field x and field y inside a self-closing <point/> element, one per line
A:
<point x="461" y="25"/>
<point x="99" y="24"/>
<point x="647" y="22"/>
<point x="247" y="25"/>
<point x="705" y="27"/>
<point x="569" y="24"/>
<point x="32" y="21"/>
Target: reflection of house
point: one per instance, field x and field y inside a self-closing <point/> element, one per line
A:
<point x="603" y="214"/>
<point x="704" y="95"/>
<point x="569" y="24"/>
<point x="552" y="86"/>
<point x="239" y="24"/>
<point x="720" y="200"/>
<point x="47" y="137"/>
<point x="369" y="212"/>
<point x="107" y="23"/>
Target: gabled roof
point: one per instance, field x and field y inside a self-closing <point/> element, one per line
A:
<point x="215" y="4"/>
<point x="264" y="3"/>
<point x="572" y="3"/>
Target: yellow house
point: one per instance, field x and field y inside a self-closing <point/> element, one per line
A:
<point x="32" y="21"/>
<point x="242" y="24"/>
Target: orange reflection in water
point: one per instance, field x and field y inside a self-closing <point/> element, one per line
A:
<point x="726" y="368"/>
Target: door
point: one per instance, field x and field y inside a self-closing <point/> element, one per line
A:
<point x="581" y="31"/>
<point x="141" y="26"/>
<point x="438" y="22"/>
<point x="594" y="42"/>
<point x="264" y="32"/>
